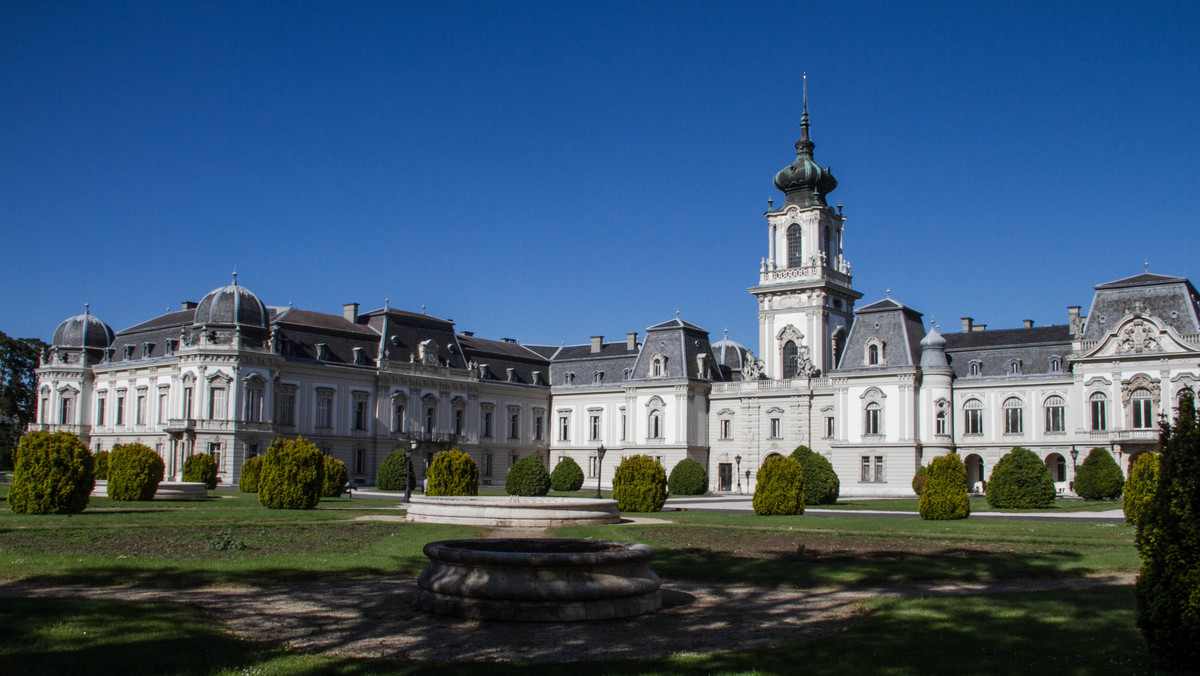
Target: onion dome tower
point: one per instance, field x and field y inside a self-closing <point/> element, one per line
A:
<point x="232" y="305"/>
<point x="804" y="182"/>
<point x="85" y="335"/>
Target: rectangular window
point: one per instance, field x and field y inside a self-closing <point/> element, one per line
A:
<point x="100" y="410"/>
<point x="1055" y="419"/>
<point x="254" y="404"/>
<point x="120" y="409"/>
<point x="564" y="428"/>
<point x="973" y="421"/>
<point x="940" y="423"/>
<point x="162" y="407"/>
<point x="214" y="449"/>
<point x="879" y="469"/>
<point x="865" y="476"/>
<point x="66" y="411"/>
<point x="623" y="425"/>
<point x="1099" y="415"/>
<point x="776" y="428"/>
<point x="324" y="411"/>
<point x="186" y="410"/>
<point x="459" y="421"/>
<point x="538" y="424"/>
<point x="1012" y="421"/>
<point x="593" y="427"/>
<point x="487" y="423"/>
<point x="360" y="414"/>
<point x="871" y="420"/>
<point x="592" y="466"/>
<point x="514" y="426"/>
<point x="287" y="409"/>
<point x="141" y="409"/>
<point x="487" y="464"/>
<point x="430" y="418"/>
<point x="1142" y="414"/>
<point x="216" y="403"/>
<point x="725" y="428"/>
<point x="829" y="429"/>
<point x="360" y="461"/>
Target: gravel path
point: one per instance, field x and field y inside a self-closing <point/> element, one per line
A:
<point x="380" y="618"/>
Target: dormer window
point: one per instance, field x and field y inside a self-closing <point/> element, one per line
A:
<point x="128" y="352"/>
<point x="598" y="378"/>
<point x="975" y="368"/>
<point x="360" y="356"/>
<point x="322" y="351"/>
<point x="1014" y="367"/>
<point x="568" y="378"/>
<point x="147" y="350"/>
<point x="658" y="366"/>
<point x="1055" y="364"/>
<point x="874" y="356"/>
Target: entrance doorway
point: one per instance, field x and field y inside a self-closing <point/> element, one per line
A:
<point x="725" y="477"/>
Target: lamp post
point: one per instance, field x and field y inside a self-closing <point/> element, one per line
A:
<point x="599" y="465"/>
<point x="747" y="480"/>
<point x="410" y="475"/>
<point x="1075" y="458"/>
<point x="738" y="460"/>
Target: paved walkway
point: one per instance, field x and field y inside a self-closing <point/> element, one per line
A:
<point x="734" y="504"/>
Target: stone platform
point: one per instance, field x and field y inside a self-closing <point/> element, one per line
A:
<point x="512" y="511"/>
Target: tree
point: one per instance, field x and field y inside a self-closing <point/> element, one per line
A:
<point x="821" y="483"/>
<point x="201" y="468"/>
<point x="453" y="472"/>
<point x="1020" y="481"/>
<point x="640" y="484"/>
<point x="527" y="476"/>
<point x="1140" y="489"/>
<point x="688" y="478"/>
<point x="1168" y="586"/>
<point x="567" y="475"/>
<point x="780" y="487"/>
<point x="134" y="472"/>
<point x="1099" y="477"/>
<point x="393" y="474"/>
<point x="18" y="391"/>
<point x="944" y="496"/>
<point x="53" y="475"/>
<point x="292" y="475"/>
<point x="336" y="478"/>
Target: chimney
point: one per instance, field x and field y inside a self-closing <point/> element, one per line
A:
<point x="966" y="324"/>
<point x="468" y="333"/>
<point x="1073" y="313"/>
<point x="597" y="342"/>
<point x="979" y="327"/>
<point x="1028" y="323"/>
<point x="188" y="305"/>
<point x="350" y="312"/>
<point x="631" y="342"/>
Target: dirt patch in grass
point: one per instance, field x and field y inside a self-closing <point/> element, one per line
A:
<point x="185" y="542"/>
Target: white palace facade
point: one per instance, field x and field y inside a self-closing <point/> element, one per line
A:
<point x="873" y="389"/>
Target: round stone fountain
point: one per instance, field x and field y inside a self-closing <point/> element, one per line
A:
<point x="539" y="580"/>
<point x="512" y="511"/>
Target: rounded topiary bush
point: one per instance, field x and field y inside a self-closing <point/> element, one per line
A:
<point x="336" y="478"/>
<point x="292" y="475"/>
<point x="688" y="478"/>
<point x="944" y="496"/>
<point x="821" y="483"/>
<point x="1139" y="490"/>
<point x="1099" y="477"/>
<point x="640" y="484"/>
<point x="453" y="473"/>
<point x="567" y="476"/>
<point x="201" y="468"/>
<point x="919" y="479"/>
<point x="134" y="472"/>
<point x="53" y="474"/>
<point x="527" y="476"/>
<point x="780" y="487"/>
<point x="248" y="482"/>
<point x="392" y="474"/>
<point x="1020" y="481"/>
<point x="100" y="465"/>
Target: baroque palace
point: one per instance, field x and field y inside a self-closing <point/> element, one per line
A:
<point x="873" y="389"/>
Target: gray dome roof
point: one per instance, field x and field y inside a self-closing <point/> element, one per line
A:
<point x="728" y="353"/>
<point x="230" y="305"/>
<point x="933" y="339"/>
<point x="83" y="331"/>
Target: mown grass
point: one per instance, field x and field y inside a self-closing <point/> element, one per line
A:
<point x="978" y="504"/>
<point x="1062" y="632"/>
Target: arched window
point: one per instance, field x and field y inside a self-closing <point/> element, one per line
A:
<point x="872" y="355"/>
<point x="655" y="425"/>
<point x="940" y="423"/>
<point x="1013" y="423"/>
<point x="1099" y="404"/>
<point x="790" y="359"/>
<point x="973" y="417"/>
<point x="1142" y="405"/>
<point x="872" y="418"/>
<point x="795" y="254"/>
<point x="1056" y="408"/>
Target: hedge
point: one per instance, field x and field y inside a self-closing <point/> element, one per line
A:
<point x="945" y="494"/>
<point x="292" y="475"/>
<point x="527" y="476"/>
<point x="1099" y="477"/>
<point x="53" y="475"/>
<point x="453" y="473"/>
<point x="201" y="468"/>
<point x="336" y="478"/>
<point x="780" y="487"/>
<point x="1140" y="489"/>
<point x="1168" y="586"/>
<point x="134" y="472"/>
<point x="251" y="470"/>
<point x="821" y="483"/>
<point x="392" y="474"/>
<point x="688" y="478"/>
<point x="567" y="476"/>
<point x="640" y="484"/>
<point x="1020" y="481"/>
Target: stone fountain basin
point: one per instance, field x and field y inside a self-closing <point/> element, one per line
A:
<point x="512" y="511"/>
<point x="539" y="579"/>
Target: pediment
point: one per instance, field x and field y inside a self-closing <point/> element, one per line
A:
<point x="1140" y="335"/>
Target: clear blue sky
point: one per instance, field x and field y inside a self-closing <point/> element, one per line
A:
<point x="551" y="171"/>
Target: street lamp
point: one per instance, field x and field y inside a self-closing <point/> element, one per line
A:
<point x="599" y="464"/>
<point x="410" y="475"/>
<point x="747" y="479"/>
<point x="1075" y="458"/>
<point x="738" y="460"/>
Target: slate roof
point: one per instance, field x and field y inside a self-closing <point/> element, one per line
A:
<point x="1173" y="300"/>
<point x="995" y="350"/>
<point x="498" y="356"/>
<point x="898" y="326"/>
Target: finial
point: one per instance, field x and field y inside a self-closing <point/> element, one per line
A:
<point x="676" y="313"/>
<point x="386" y="301"/>
<point x="422" y="308"/>
<point x="289" y="303"/>
<point x="235" y="275"/>
<point x="87" y="308"/>
<point x="889" y="293"/>
<point x="1146" y="268"/>
<point x="770" y="203"/>
<point x="804" y="115"/>
<point x="726" y="333"/>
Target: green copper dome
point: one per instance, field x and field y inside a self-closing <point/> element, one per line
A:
<point x="804" y="181"/>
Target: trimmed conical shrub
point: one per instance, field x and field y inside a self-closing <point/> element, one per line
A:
<point x="100" y="465"/>
<point x="336" y="478"/>
<point x="919" y="479"/>
<point x="527" y="476"/>
<point x="821" y="483"/>
<point x="567" y="476"/>
<point x="1168" y="586"/>
<point x="453" y="473"/>
<point x="780" y="487"/>
<point x="688" y="478"/>
<point x="248" y="482"/>
<point x="134" y="472"/>
<point x="53" y="475"/>
<point x="1099" y="477"/>
<point x="292" y="475"/>
<point x="1140" y="489"/>
<point x="201" y="468"/>
<point x="393" y="471"/>
<point x="945" y="493"/>
<point x="640" y="484"/>
<point x="1020" y="481"/>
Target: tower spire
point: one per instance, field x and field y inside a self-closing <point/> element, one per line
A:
<point x="804" y="115"/>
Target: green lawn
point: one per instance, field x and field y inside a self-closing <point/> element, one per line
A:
<point x="978" y="504"/>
